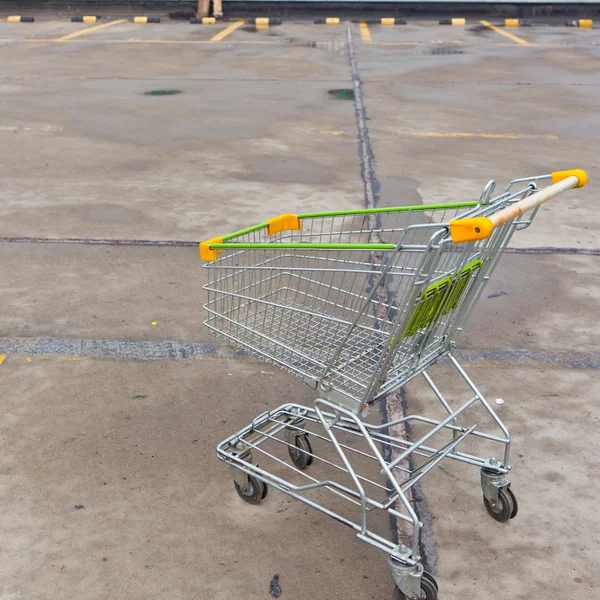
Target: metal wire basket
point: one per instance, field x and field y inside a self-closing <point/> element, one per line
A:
<point x="358" y="303"/>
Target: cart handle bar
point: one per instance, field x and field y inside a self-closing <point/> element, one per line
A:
<point x="479" y="228"/>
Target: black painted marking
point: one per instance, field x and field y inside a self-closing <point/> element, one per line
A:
<point x="168" y="349"/>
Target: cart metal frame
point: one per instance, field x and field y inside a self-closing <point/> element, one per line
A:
<point x="359" y="303"/>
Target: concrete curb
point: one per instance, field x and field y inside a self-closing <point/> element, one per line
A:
<point x="266" y="21"/>
<point x="19" y="19"/>
<point x="393" y="21"/>
<point x="85" y="19"/>
<point x="327" y="21"/>
<point x="583" y="23"/>
<point x="145" y="20"/>
<point x="204" y="21"/>
<point x="456" y="21"/>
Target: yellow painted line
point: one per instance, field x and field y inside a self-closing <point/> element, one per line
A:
<point x="228" y="30"/>
<point x="495" y="136"/>
<point x="2" y="357"/>
<point x="87" y="30"/>
<point x="364" y="32"/>
<point x="510" y="36"/>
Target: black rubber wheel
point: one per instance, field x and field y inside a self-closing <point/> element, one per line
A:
<point x="431" y="580"/>
<point x="265" y="490"/>
<point x="255" y="492"/>
<point x="515" y="510"/>
<point x="301" y="452"/>
<point x="505" y="508"/>
<point x="429" y="589"/>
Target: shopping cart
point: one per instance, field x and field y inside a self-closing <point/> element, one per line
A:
<point x="359" y="303"/>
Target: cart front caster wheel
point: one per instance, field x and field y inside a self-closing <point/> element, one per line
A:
<point x="429" y="589"/>
<point x="301" y="452"/>
<point x="257" y="490"/>
<point x="506" y="508"/>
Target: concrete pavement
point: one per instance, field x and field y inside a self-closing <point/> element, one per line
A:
<point x="85" y="154"/>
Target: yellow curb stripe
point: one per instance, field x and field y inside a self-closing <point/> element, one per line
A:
<point x="87" y="30"/>
<point x="223" y="34"/>
<point x="2" y="357"/>
<point x="510" y="36"/>
<point x="364" y="32"/>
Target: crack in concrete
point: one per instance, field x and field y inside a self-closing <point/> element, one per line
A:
<point x="393" y="403"/>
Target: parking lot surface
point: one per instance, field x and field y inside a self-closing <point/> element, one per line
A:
<point x="110" y="483"/>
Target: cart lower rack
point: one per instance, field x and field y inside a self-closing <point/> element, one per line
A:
<point x="359" y="303"/>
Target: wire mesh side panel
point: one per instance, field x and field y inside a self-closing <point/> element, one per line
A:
<point x="444" y="295"/>
<point x="298" y="307"/>
<point x="358" y="321"/>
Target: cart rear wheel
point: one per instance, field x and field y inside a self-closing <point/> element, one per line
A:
<point x="301" y="452"/>
<point x="429" y="589"/>
<point x="506" y="508"/>
<point x="515" y="510"/>
<point x="431" y="580"/>
<point x="256" y="491"/>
